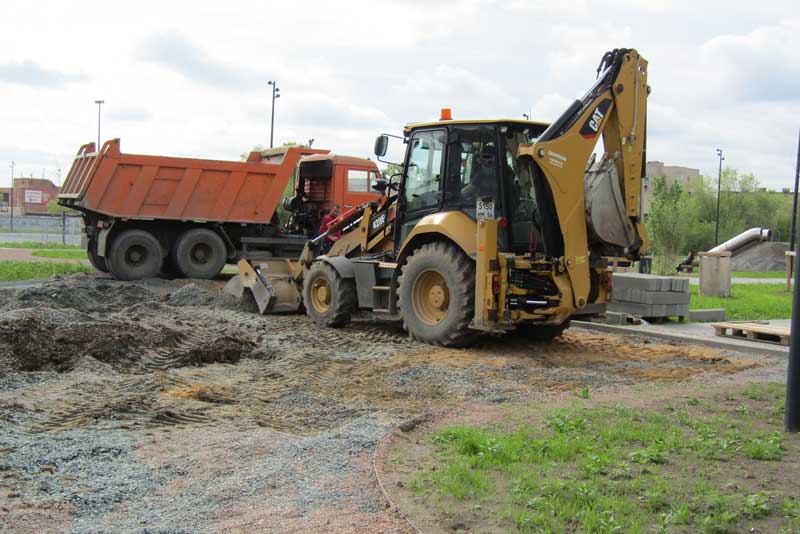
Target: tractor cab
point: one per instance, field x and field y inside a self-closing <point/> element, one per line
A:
<point x="471" y="167"/>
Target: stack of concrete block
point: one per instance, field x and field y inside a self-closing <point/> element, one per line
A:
<point x="648" y="295"/>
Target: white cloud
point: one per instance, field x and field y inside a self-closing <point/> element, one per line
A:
<point x="193" y="81"/>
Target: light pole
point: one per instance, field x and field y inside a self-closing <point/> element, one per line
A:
<point x="276" y="93"/>
<point x="527" y="117"/>
<point x="99" y="104"/>
<point x="719" y="187"/>
<point x="11" y="198"/>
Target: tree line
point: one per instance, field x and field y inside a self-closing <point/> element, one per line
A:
<point x="681" y="219"/>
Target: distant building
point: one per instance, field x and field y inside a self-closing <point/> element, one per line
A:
<point x="688" y="178"/>
<point x="31" y="195"/>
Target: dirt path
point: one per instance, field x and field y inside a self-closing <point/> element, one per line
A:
<point x="162" y="406"/>
<point x="26" y="254"/>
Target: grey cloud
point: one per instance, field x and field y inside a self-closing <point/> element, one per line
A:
<point x="30" y="73"/>
<point x="177" y="52"/>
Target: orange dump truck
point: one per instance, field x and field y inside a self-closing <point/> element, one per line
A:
<point x="145" y="215"/>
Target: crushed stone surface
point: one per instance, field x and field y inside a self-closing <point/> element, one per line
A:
<point x="164" y="406"/>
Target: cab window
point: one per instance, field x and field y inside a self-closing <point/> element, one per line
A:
<point x="358" y="181"/>
<point x="473" y="168"/>
<point x="424" y="168"/>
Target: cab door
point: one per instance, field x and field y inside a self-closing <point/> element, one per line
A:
<point x="420" y="192"/>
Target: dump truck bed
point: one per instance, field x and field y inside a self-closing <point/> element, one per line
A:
<point x="133" y="186"/>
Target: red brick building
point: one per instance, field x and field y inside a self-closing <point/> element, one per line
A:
<point x="31" y="195"/>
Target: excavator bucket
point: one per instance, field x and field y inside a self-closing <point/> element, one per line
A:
<point x="606" y="218"/>
<point x="273" y="285"/>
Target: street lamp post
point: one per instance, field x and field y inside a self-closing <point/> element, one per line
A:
<point x="11" y="198"/>
<point x="719" y="187"/>
<point x="276" y="93"/>
<point x="99" y="104"/>
<point x="527" y="117"/>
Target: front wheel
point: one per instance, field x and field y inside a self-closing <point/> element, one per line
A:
<point x="436" y="295"/>
<point x="329" y="299"/>
<point x="134" y="254"/>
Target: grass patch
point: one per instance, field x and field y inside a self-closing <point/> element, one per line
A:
<point x="37" y="244"/>
<point x="753" y="274"/>
<point x="706" y="467"/>
<point x="31" y="270"/>
<point x="67" y="254"/>
<point x="748" y="302"/>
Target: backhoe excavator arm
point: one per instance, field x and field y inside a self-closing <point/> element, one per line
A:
<point x="598" y="210"/>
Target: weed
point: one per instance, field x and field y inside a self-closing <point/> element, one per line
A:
<point x="757" y="505"/>
<point x="765" y="446"/>
<point x="654" y="454"/>
<point x="692" y="401"/>
<point x="583" y="393"/>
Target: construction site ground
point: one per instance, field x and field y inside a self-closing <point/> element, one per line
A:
<point x="167" y="406"/>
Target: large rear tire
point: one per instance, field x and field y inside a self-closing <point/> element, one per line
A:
<point x="134" y="254"/>
<point x="98" y="262"/>
<point x="436" y="295"/>
<point x="200" y="253"/>
<point x="329" y="299"/>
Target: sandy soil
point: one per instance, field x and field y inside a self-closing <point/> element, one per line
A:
<point x="162" y="406"/>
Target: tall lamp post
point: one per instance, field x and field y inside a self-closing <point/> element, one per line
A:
<point x="99" y="104"/>
<point x="11" y="198"/>
<point x="276" y="93"/>
<point x="719" y="186"/>
<point x="527" y="117"/>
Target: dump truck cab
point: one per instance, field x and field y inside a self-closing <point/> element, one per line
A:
<point x="323" y="180"/>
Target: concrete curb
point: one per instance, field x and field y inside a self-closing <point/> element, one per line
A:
<point x="720" y="343"/>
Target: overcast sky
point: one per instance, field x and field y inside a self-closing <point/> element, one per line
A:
<point x="190" y="78"/>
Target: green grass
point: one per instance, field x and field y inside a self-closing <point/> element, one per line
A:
<point x="748" y="302"/>
<point x="696" y="466"/>
<point x="31" y="270"/>
<point x="67" y="254"/>
<point x="753" y="274"/>
<point x="37" y="244"/>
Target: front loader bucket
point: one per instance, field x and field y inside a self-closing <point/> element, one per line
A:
<point x="606" y="217"/>
<point x="272" y="284"/>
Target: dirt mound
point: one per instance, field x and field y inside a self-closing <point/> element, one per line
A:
<point x="80" y="292"/>
<point x="193" y="295"/>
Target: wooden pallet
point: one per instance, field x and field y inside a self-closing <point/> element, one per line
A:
<point x="754" y="332"/>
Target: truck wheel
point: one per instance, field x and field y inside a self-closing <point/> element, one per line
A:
<point x="98" y="262"/>
<point x="437" y="295"/>
<point x="329" y="299"/>
<point x="134" y="254"/>
<point x="200" y="253"/>
<point x="547" y="332"/>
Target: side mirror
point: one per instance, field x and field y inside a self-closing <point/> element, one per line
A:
<point x="380" y="185"/>
<point x="381" y="144"/>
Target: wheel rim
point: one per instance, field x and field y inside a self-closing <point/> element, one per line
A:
<point x="321" y="294"/>
<point x="200" y="253"/>
<point x="430" y="297"/>
<point x="136" y="255"/>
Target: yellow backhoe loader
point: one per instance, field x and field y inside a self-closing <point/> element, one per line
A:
<point x="493" y="225"/>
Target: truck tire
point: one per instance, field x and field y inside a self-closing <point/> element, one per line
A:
<point x="547" y="332"/>
<point x="134" y="254"/>
<point x="200" y="253"/>
<point x="328" y="298"/>
<point x="436" y="295"/>
<point x="98" y="262"/>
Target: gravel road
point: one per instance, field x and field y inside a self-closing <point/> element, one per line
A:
<point x="162" y="406"/>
